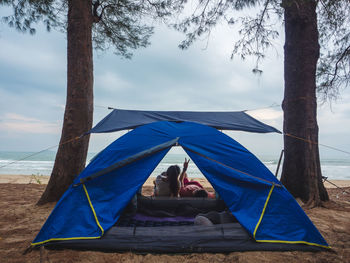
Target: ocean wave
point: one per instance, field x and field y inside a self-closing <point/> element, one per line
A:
<point x="331" y="168"/>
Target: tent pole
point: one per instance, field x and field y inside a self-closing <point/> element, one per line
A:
<point x="129" y="160"/>
<point x="279" y="162"/>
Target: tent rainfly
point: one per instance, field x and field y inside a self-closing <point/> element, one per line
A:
<point x="233" y="120"/>
<point x="96" y="199"/>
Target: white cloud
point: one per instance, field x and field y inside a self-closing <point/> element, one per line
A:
<point x="266" y="114"/>
<point x="18" y="117"/>
<point x="111" y="82"/>
<point x="161" y="77"/>
<point x="16" y="123"/>
<point x="31" y="57"/>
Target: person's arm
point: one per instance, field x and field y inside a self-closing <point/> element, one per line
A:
<point x="183" y="173"/>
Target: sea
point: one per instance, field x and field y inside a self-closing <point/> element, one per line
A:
<point x="42" y="164"/>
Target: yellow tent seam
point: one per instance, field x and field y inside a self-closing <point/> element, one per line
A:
<point x="63" y="238"/>
<point x="263" y="211"/>
<point x="293" y="242"/>
<point x="76" y="238"/>
<point x="279" y="241"/>
<point x="93" y="210"/>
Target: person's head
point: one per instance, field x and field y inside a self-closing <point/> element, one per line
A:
<point x="173" y="174"/>
<point x="200" y="193"/>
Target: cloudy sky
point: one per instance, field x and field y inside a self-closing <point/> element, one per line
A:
<point x="160" y="77"/>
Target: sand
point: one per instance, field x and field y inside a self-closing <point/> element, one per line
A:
<point x="21" y="219"/>
<point x="42" y="179"/>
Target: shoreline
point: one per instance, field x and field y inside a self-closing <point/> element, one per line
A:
<point x="43" y="179"/>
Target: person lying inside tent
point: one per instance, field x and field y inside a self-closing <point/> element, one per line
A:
<point x="172" y="183"/>
<point x="192" y="190"/>
<point x="192" y="182"/>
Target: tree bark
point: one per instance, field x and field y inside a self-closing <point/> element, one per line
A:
<point x="71" y="157"/>
<point x="301" y="173"/>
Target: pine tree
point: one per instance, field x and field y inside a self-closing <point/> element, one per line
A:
<point x="307" y="24"/>
<point x="100" y="24"/>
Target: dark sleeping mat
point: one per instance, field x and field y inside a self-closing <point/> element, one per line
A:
<point x="221" y="238"/>
<point x="139" y="219"/>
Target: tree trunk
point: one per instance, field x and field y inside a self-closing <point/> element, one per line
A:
<point x="301" y="173"/>
<point x="71" y="156"/>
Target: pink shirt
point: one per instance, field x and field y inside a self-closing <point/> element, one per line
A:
<point x="188" y="190"/>
<point x="188" y="182"/>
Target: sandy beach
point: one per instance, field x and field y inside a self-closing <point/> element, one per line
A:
<point x="42" y="179"/>
<point x="21" y="220"/>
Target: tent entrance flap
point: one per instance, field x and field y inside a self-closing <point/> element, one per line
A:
<point x="130" y="159"/>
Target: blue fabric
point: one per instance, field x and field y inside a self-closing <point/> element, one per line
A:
<point x="129" y="119"/>
<point x="241" y="180"/>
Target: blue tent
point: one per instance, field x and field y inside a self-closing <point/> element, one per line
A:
<point x="96" y="199"/>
